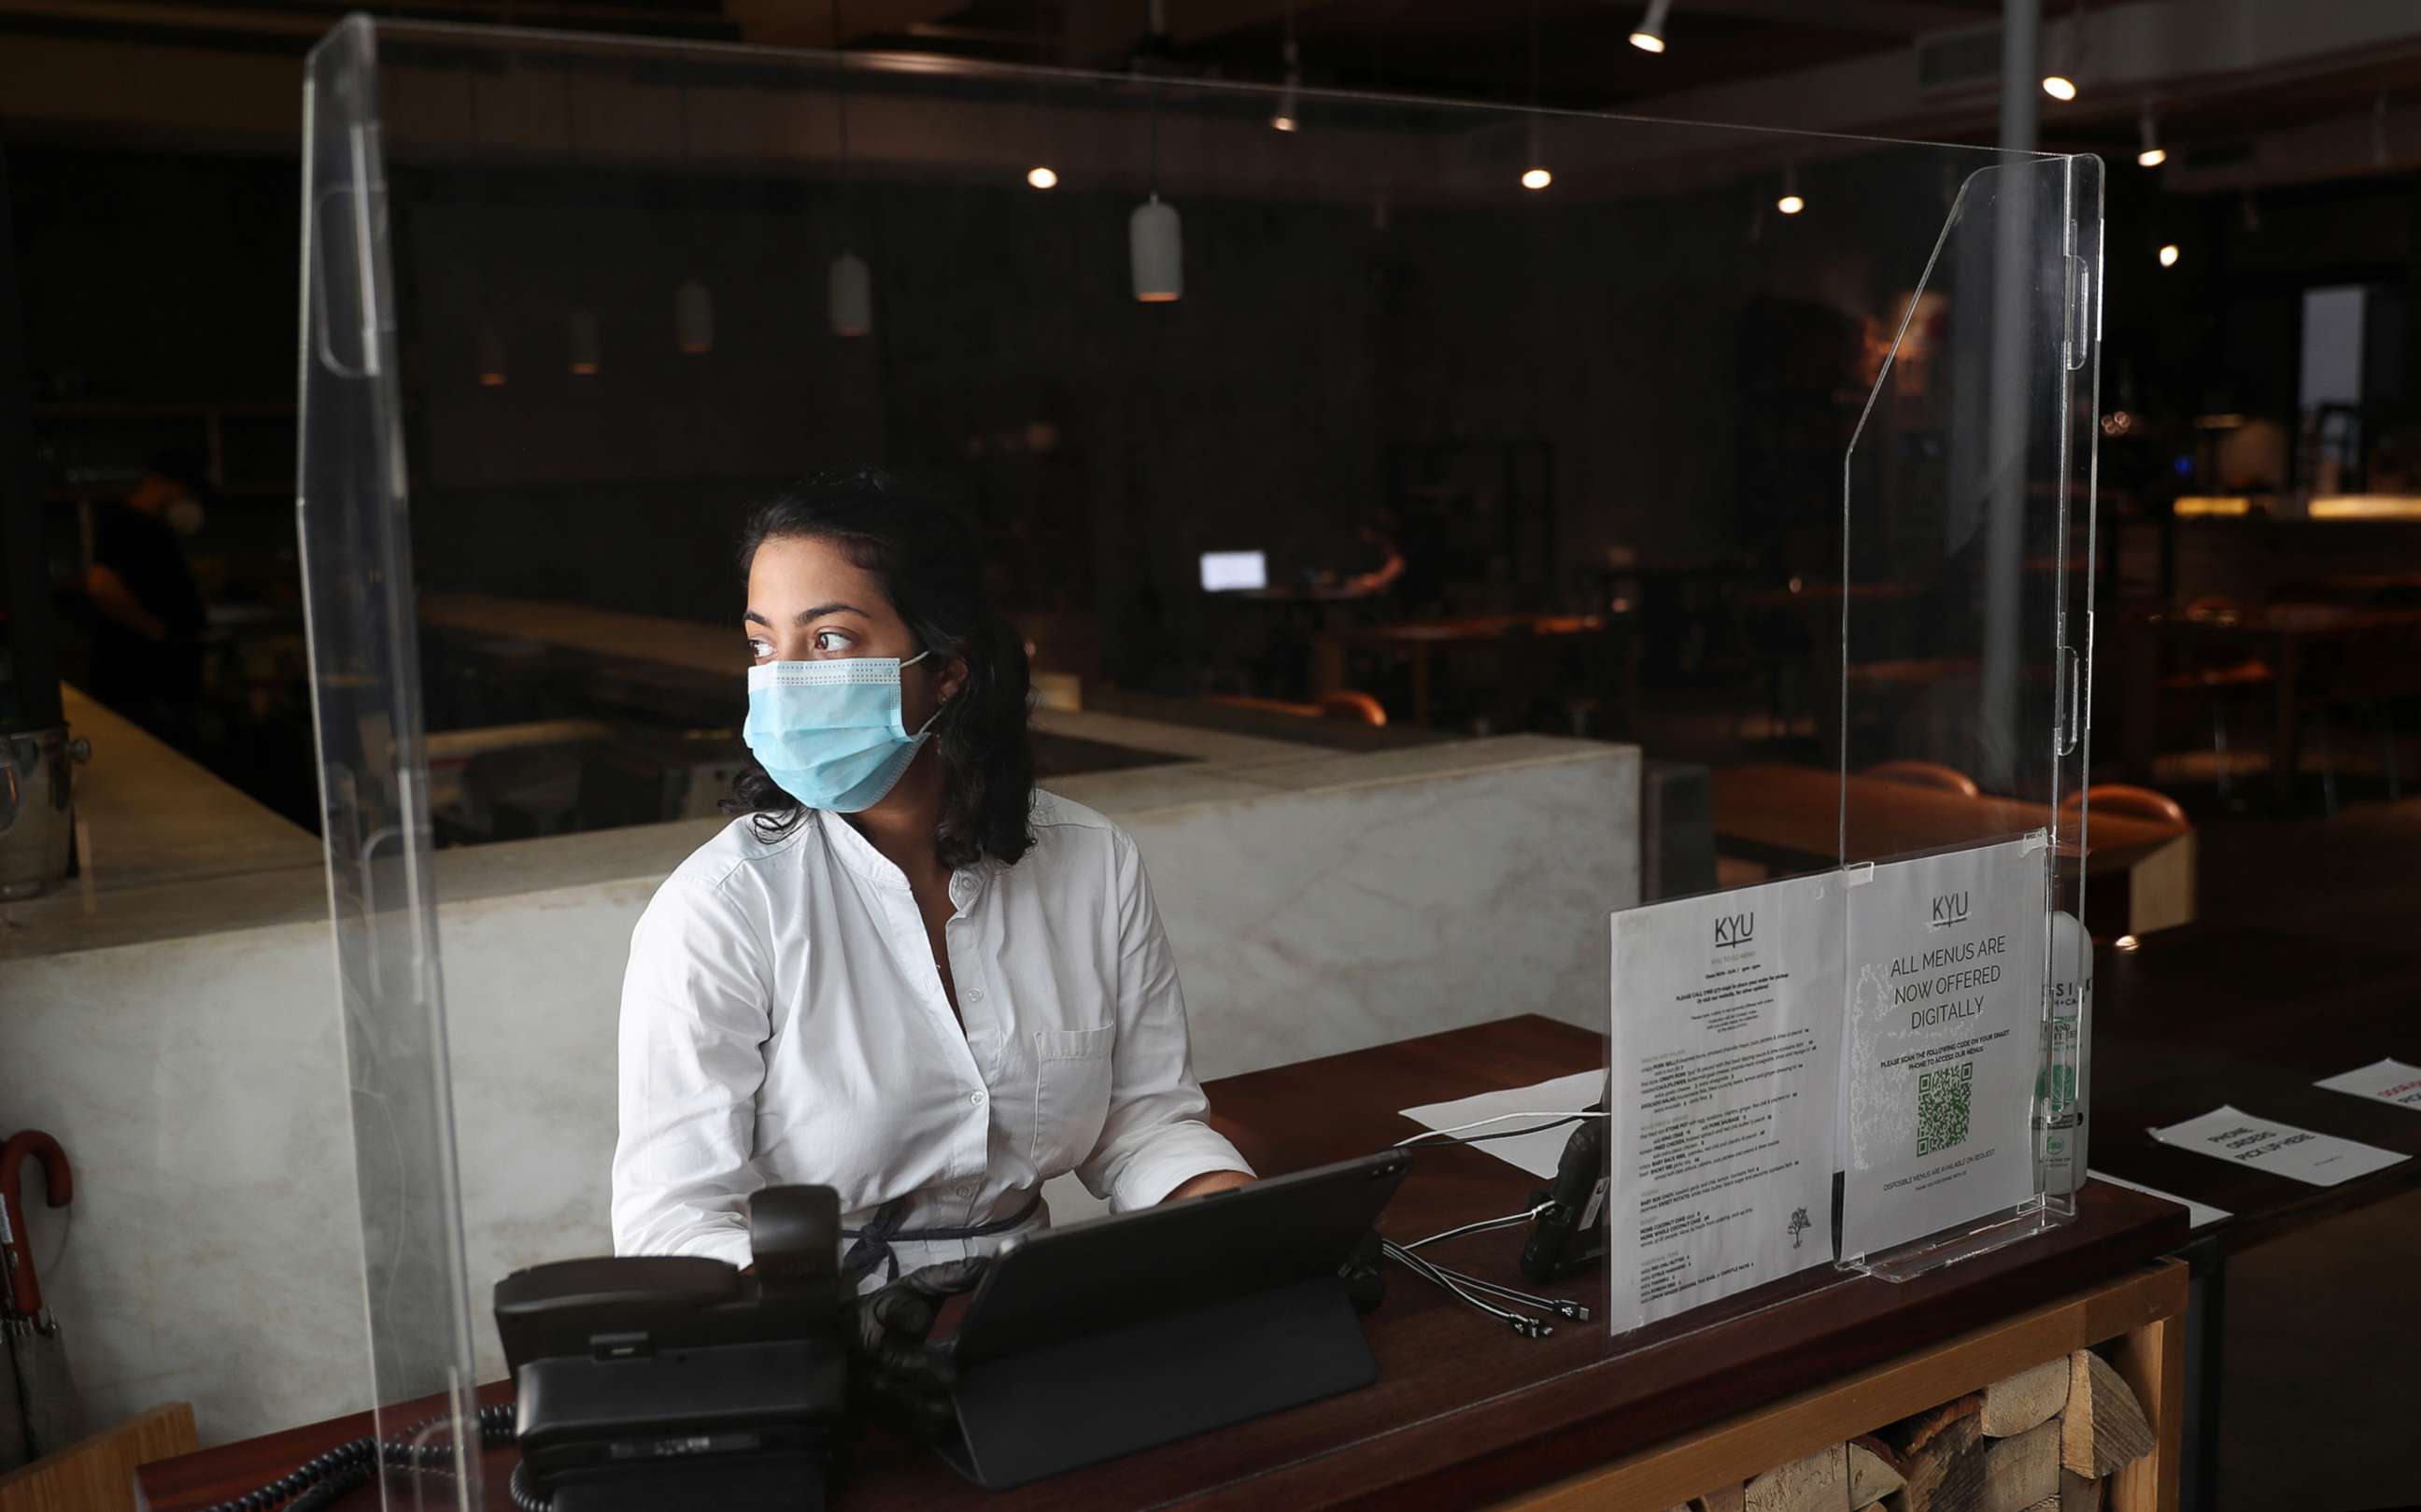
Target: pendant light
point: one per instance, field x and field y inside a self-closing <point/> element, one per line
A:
<point x="491" y="353"/>
<point x="1649" y="36"/>
<point x="1792" y="201"/>
<point x="693" y="306"/>
<point x="2169" y="255"/>
<point x="1288" y="116"/>
<point x="849" y="287"/>
<point x="693" y="319"/>
<point x="1536" y="175"/>
<point x="850" y="290"/>
<point x="2151" y="154"/>
<point x="2066" y="56"/>
<point x="583" y="344"/>
<point x="1155" y="243"/>
<point x="1041" y="176"/>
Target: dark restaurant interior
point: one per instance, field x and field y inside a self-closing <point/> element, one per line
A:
<point x="1529" y="398"/>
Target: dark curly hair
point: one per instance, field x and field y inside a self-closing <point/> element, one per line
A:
<point x="923" y="553"/>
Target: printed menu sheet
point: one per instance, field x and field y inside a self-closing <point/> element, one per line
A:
<point x="1944" y="1031"/>
<point x="2281" y="1149"/>
<point x="2389" y="1081"/>
<point x="1724" y="1056"/>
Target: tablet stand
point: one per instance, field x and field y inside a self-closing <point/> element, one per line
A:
<point x="1098" y="1395"/>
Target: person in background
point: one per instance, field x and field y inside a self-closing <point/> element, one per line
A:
<point x="147" y="647"/>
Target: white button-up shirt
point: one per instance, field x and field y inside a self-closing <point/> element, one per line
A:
<point x="783" y="1022"/>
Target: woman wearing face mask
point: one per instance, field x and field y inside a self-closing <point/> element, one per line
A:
<point x="901" y="972"/>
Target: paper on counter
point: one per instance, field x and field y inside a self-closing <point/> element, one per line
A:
<point x="2197" y="1213"/>
<point x="1725" y="1044"/>
<point x="1537" y="1153"/>
<point x="2282" y="1150"/>
<point x="2390" y="1081"/>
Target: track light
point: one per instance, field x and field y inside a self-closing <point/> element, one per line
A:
<point x="2152" y="153"/>
<point x="2169" y="255"/>
<point x="1649" y="36"/>
<point x="1041" y="177"/>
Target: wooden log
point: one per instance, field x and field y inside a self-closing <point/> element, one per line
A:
<point x="1729" y="1499"/>
<point x="2105" y="1426"/>
<point x="2023" y="1471"/>
<point x="1910" y="1434"/>
<point x="1874" y="1471"/>
<point x="2026" y="1399"/>
<point x="1946" y="1473"/>
<point x="2078" y="1493"/>
<point x="1815" y="1483"/>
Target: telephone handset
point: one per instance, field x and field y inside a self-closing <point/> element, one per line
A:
<point x="1570" y="1234"/>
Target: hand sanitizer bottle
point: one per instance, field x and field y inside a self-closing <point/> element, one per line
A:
<point x="2063" y="1077"/>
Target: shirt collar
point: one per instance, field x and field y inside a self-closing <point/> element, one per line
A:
<point x="858" y="854"/>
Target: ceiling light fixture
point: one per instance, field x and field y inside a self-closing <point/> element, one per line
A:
<point x="1649" y="36"/>
<point x="1155" y="238"/>
<point x="849" y="284"/>
<point x="1288" y="116"/>
<point x="2152" y="154"/>
<point x="2169" y="255"/>
<point x="1041" y="177"/>
<point x="584" y="348"/>
<point x="1791" y="202"/>
<point x="1538" y="175"/>
<point x="2066" y="56"/>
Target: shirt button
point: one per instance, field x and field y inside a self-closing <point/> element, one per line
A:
<point x="976" y="992"/>
<point x="974" y="1099"/>
<point x="968" y="1190"/>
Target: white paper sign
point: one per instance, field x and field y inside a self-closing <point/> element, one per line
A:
<point x="1539" y="1153"/>
<point x="1944" y="1031"/>
<point x="2197" y="1213"/>
<point x="2389" y="1081"/>
<point x="2282" y="1150"/>
<point x="1725" y="1053"/>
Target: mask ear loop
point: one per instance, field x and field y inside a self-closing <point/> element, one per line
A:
<point x="940" y="708"/>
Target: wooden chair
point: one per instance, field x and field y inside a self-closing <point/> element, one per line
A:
<point x="2220" y="676"/>
<point x="2124" y="802"/>
<point x="1354" y="708"/>
<point x="1932" y="774"/>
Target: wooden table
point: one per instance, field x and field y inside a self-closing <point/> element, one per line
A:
<point x="1464" y="1414"/>
<point x="2203" y="1015"/>
<point x="2283" y="636"/>
<point x="1421" y="638"/>
<point x="1789" y="817"/>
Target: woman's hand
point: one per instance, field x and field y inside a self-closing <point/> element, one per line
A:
<point x="1208" y="1182"/>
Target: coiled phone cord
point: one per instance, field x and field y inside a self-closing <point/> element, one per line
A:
<point x="320" y="1480"/>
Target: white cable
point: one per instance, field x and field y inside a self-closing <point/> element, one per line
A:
<point x="1484" y="1226"/>
<point x="1524" y="1324"/>
<point x="1482" y="1123"/>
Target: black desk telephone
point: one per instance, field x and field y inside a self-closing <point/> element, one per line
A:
<point x="678" y="1381"/>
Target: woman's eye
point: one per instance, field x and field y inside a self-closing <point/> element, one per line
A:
<point x="759" y="651"/>
<point x="833" y="640"/>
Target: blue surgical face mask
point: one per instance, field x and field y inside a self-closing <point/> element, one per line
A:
<point x="830" y="732"/>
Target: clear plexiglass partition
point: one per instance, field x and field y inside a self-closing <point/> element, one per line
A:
<point x="1660" y="405"/>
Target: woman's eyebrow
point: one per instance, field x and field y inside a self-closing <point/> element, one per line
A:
<point x="753" y="618"/>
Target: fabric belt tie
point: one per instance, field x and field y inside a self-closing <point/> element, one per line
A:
<point x="871" y="1245"/>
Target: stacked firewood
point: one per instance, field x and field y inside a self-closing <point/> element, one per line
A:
<point x="2042" y="1441"/>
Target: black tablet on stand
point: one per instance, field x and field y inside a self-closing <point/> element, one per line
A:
<point x="1113" y="1334"/>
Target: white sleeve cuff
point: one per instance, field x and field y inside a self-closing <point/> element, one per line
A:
<point x="1177" y="1153"/>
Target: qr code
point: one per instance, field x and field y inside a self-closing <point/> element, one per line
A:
<point x="1944" y="1101"/>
